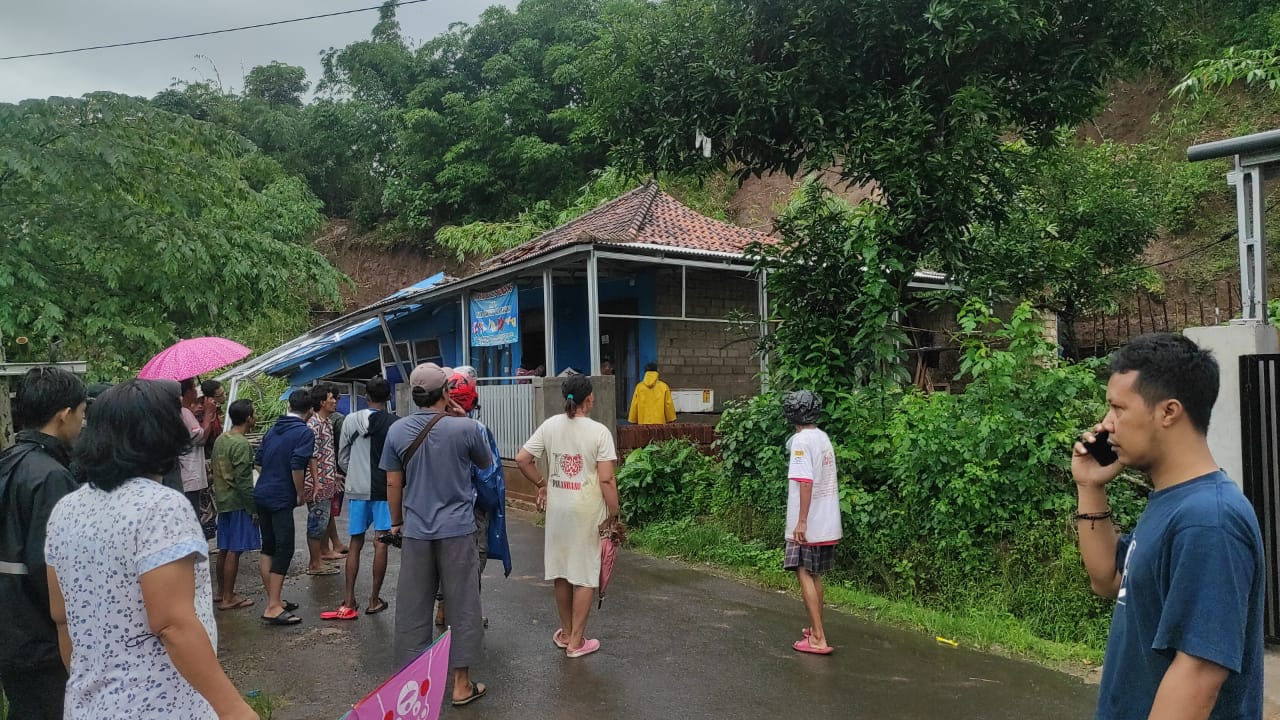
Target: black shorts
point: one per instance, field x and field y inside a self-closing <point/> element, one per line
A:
<point x="817" y="559"/>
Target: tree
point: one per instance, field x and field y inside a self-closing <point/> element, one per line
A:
<point x="487" y="119"/>
<point x="1077" y="226"/>
<point x="917" y="98"/>
<point x="124" y="227"/>
<point x="277" y="83"/>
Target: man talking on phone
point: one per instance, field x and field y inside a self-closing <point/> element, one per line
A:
<point x="1186" y="633"/>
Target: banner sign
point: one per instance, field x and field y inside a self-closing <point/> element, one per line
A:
<point x="414" y="693"/>
<point x="493" y="317"/>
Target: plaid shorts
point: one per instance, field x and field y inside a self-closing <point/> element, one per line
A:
<point x="817" y="559"/>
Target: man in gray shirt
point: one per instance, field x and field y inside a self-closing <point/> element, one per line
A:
<point x="428" y="458"/>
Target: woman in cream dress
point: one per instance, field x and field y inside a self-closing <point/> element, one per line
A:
<point x="581" y="502"/>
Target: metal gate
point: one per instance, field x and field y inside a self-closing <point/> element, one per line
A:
<point x="1260" y="445"/>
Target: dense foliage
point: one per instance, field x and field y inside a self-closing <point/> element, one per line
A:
<point x="953" y="501"/>
<point x="124" y="227"/>
<point x="665" y="480"/>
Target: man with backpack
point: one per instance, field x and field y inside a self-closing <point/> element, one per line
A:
<point x="34" y="476"/>
<point x="364" y="434"/>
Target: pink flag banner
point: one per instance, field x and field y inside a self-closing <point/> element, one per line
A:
<point x="414" y="693"/>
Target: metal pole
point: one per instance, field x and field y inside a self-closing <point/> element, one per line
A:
<point x="395" y="352"/>
<point x="684" y="290"/>
<point x="1250" y="208"/>
<point x="593" y="310"/>
<point x="548" y="320"/>
<point x="231" y="397"/>
<point x="465" y="338"/>
<point x="763" y="296"/>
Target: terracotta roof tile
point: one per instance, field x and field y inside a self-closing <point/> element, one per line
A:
<point x="646" y="216"/>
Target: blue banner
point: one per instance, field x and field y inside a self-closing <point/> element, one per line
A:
<point x="494" y="317"/>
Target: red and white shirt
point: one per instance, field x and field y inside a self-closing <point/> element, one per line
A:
<point x="813" y="461"/>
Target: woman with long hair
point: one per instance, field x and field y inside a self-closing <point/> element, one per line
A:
<point x="581" y="503"/>
<point x="128" y="569"/>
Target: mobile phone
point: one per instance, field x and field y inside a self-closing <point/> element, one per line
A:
<point x="1101" y="450"/>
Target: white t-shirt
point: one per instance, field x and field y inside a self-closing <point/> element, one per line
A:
<point x="191" y="463"/>
<point x="101" y="544"/>
<point x="813" y="460"/>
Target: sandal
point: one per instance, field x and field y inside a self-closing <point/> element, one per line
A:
<point x="556" y="638"/>
<point x="375" y="609"/>
<point x="805" y="645"/>
<point x="290" y="606"/>
<point x="326" y="570"/>
<point x="244" y="603"/>
<point x="477" y="692"/>
<point x="284" y="618"/>
<point x="588" y="647"/>
<point x="342" y="613"/>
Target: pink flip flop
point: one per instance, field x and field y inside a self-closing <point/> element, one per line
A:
<point x="342" y="613"/>
<point x="805" y="646"/>
<point x="588" y="647"/>
<point x="556" y="638"/>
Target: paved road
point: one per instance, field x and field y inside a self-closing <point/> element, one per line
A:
<point x="678" y="642"/>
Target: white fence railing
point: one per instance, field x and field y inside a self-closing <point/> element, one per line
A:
<point x="506" y="408"/>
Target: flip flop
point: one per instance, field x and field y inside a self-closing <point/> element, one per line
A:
<point x="477" y="692"/>
<point x="327" y="570"/>
<point x="588" y="646"/>
<point x="805" y="646"/>
<point x="244" y="603"/>
<point x="342" y="613"/>
<point x="375" y="609"/>
<point x="555" y="638"/>
<point x="284" y="618"/>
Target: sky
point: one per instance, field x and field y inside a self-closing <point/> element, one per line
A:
<point x="144" y="70"/>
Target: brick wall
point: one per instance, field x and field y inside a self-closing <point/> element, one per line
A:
<point x="695" y="355"/>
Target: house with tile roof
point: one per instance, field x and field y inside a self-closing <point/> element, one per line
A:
<point x="641" y="278"/>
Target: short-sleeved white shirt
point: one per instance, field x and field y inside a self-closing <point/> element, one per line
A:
<point x="100" y="544"/>
<point x="813" y="460"/>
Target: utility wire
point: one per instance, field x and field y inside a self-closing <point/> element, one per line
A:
<point x="207" y="32"/>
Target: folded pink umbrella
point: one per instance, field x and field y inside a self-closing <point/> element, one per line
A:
<point x="609" y="544"/>
<point x="189" y="358"/>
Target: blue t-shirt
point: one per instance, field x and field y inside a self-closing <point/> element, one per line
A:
<point x="1192" y="582"/>
<point x="439" y="500"/>
<point x="286" y="447"/>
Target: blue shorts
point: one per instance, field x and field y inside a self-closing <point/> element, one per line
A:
<point x="237" y="533"/>
<point x="366" y="513"/>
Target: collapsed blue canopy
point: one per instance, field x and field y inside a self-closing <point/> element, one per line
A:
<point x="348" y="347"/>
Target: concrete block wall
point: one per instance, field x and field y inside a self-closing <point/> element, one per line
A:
<point x="695" y="355"/>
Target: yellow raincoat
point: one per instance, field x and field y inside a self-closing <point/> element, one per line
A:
<point x="651" y="404"/>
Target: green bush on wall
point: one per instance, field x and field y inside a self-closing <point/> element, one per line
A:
<point x="666" y="480"/>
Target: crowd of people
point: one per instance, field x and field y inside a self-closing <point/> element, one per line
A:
<point x="105" y="572"/>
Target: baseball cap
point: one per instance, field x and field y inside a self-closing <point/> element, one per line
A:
<point x="462" y="390"/>
<point x="428" y="376"/>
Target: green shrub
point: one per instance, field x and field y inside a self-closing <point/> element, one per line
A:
<point x="665" y="480"/>
<point x="956" y="502"/>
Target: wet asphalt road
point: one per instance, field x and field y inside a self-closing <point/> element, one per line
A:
<point x="677" y="642"/>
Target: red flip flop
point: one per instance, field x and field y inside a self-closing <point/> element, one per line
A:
<point x="342" y="613"/>
<point x="804" y="646"/>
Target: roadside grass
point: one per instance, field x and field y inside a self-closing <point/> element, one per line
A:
<point x="705" y="541"/>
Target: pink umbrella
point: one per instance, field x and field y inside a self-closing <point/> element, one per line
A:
<point x="189" y="358"/>
<point x="609" y="544"/>
<point x="414" y="693"/>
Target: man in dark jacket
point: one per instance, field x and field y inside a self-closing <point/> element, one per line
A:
<point x="34" y="476"/>
<point x="283" y="457"/>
